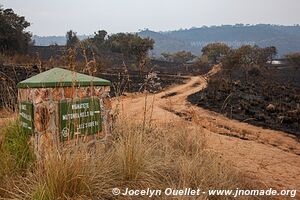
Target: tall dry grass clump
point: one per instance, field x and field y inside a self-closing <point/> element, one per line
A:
<point x="170" y="156"/>
<point x="61" y="176"/>
<point x="16" y="153"/>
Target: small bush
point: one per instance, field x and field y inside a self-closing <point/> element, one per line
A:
<point x="62" y="176"/>
<point x="16" y="153"/>
<point x="137" y="156"/>
<point x="254" y="71"/>
<point x="161" y="157"/>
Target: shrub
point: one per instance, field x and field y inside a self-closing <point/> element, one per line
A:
<point x="62" y="176"/>
<point x="161" y="157"/>
<point x="15" y="150"/>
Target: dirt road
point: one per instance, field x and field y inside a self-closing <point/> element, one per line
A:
<point x="272" y="157"/>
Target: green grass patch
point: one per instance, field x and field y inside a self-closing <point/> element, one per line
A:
<point x="16" y="153"/>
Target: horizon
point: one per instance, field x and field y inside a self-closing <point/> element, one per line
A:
<point x="51" y="18"/>
<point x="180" y="29"/>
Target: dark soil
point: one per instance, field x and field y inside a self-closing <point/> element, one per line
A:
<point x="169" y="95"/>
<point x="131" y="81"/>
<point x="9" y="77"/>
<point x="138" y="83"/>
<point x="113" y="61"/>
<point x="266" y="101"/>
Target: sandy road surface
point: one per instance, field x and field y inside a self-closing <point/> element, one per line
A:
<point x="272" y="157"/>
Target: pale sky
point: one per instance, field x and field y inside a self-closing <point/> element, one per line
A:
<point x="56" y="17"/>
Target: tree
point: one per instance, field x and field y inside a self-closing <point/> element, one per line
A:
<point x="131" y="46"/>
<point x="95" y="45"/>
<point x="248" y="58"/>
<point x="119" y="43"/>
<point x="13" y="37"/>
<point x="180" y="57"/>
<point x="231" y="62"/>
<point x="293" y="59"/>
<point x="87" y="49"/>
<point x="140" y="47"/>
<point x="270" y="53"/>
<point x="99" y="36"/>
<point x="98" y="40"/>
<point x="167" y="56"/>
<point x="215" y="52"/>
<point x="72" y="40"/>
<point x="263" y="55"/>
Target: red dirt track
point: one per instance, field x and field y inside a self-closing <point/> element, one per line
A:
<point x="271" y="157"/>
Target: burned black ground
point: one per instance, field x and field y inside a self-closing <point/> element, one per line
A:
<point x="270" y="100"/>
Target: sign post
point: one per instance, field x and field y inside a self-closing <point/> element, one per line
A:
<point x="26" y="117"/>
<point x="60" y="106"/>
<point x="80" y="117"/>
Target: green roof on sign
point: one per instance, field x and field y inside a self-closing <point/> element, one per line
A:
<point x="58" y="77"/>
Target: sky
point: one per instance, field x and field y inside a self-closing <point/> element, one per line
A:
<point x="56" y="17"/>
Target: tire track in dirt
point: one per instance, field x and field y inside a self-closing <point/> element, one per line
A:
<point x="270" y="156"/>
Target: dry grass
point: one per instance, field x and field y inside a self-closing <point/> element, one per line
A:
<point x="156" y="158"/>
<point x="15" y="152"/>
<point x="142" y="156"/>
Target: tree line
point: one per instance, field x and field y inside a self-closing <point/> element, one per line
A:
<point x="15" y="39"/>
<point x="130" y="45"/>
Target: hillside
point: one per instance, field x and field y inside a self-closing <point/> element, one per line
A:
<point x="52" y="40"/>
<point x="285" y="38"/>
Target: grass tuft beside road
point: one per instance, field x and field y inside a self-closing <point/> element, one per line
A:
<point x="16" y="153"/>
<point x="169" y="156"/>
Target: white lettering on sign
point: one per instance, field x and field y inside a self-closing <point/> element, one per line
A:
<point x="24" y="115"/>
<point x="23" y="107"/>
<point x="25" y="125"/>
<point x="80" y="106"/>
<point x="87" y="125"/>
<point x="79" y="115"/>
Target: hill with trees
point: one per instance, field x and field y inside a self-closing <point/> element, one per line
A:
<point x="285" y="38"/>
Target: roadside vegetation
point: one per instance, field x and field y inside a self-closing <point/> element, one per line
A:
<point x="179" y="57"/>
<point x="250" y="89"/>
<point x="14" y="38"/>
<point x="140" y="157"/>
<point x="16" y="153"/>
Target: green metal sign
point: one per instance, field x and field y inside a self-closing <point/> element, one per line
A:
<point x="26" y="116"/>
<point x="79" y="117"/>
